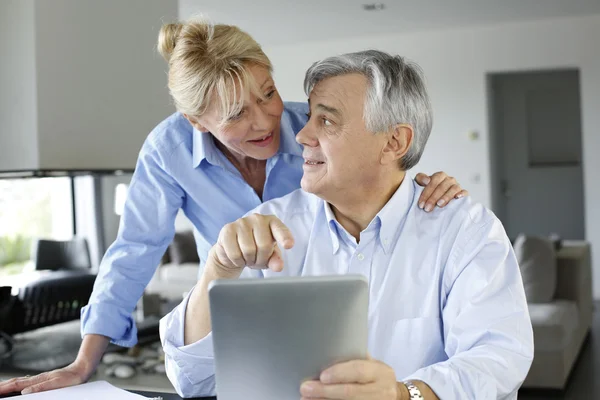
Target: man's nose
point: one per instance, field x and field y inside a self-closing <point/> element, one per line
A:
<point x="306" y="136"/>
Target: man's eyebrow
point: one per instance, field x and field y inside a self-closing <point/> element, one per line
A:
<point x="328" y="109"/>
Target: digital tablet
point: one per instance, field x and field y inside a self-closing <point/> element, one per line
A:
<point x="270" y="335"/>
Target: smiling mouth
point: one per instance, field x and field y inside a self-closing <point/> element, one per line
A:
<point x="313" y="162"/>
<point x="262" y="139"/>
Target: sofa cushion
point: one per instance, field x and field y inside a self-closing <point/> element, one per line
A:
<point x="186" y="272"/>
<point x="553" y="324"/>
<point x="556" y="240"/>
<point x="538" y="263"/>
<point x="183" y="249"/>
<point x="172" y="281"/>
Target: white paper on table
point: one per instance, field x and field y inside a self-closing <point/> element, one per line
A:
<point x="99" y="390"/>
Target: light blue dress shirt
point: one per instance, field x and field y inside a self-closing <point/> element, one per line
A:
<point x="179" y="167"/>
<point x="447" y="304"/>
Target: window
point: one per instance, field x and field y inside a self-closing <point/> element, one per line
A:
<point x="29" y="209"/>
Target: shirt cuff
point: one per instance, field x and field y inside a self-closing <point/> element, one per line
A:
<point x="429" y="376"/>
<point x="448" y="384"/>
<point x="110" y="321"/>
<point x="190" y="368"/>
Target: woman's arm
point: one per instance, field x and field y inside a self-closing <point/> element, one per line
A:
<point x="90" y="353"/>
<point x="146" y="229"/>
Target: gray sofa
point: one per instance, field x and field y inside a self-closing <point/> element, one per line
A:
<point x="561" y="325"/>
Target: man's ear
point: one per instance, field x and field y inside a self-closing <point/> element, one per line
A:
<point x="399" y="141"/>
<point x="195" y="123"/>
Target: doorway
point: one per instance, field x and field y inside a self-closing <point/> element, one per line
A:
<point x="536" y="152"/>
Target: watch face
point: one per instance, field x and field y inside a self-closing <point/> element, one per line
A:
<point x="413" y="391"/>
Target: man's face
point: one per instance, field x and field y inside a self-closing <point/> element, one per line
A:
<point x="341" y="157"/>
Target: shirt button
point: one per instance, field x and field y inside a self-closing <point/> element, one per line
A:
<point x="360" y="256"/>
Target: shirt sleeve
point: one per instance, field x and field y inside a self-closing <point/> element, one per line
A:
<point x="191" y="368"/>
<point x="146" y="229"/>
<point x="487" y="329"/>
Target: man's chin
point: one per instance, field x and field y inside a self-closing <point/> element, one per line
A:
<point x="305" y="185"/>
<point x="313" y="188"/>
<point x="308" y="186"/>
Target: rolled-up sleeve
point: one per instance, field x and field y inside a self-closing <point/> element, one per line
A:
<point x="487" y="329"/>
<point x="190" y="368"/>
<point x="146" y="229"/>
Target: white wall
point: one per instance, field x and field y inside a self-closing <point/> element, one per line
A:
<point x="18" y="113"/>
<point x="455" y="63"/>
<point x="101" y="83"/>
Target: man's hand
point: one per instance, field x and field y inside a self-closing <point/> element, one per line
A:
<point x="440" y="189"/>
<point x="252" y="242"/>
<point x="358" y="379"/>
<point x="71" y="375"/>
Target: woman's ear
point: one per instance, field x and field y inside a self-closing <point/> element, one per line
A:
<point x="399" y="141"/>
<point x="195" y="123"/>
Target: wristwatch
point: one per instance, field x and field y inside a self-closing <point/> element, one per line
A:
<point x="413" y="392"/>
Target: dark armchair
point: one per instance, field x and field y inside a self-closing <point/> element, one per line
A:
<point x="61" y="255"/>
<point x="54" y="293"/>
<point x="45" y="298"/>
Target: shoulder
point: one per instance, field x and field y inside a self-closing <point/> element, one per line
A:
<point x="294" y="113"/>
<point x="464" y="230"/>
<point x="462" y="218"/>
<point x="173" y="133"/>
<point x="296" y="107"/>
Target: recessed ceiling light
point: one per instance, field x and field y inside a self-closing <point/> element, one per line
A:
<point x="373" y="6"/>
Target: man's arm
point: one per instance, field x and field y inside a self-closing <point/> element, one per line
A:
<point x="250" y="241"/>
<point x="487" y="329"/>
<point x="187" y="341"/>
<point x="190" y="368"/>
<point x="197" y="315"/>
<point x="185" y="333"/>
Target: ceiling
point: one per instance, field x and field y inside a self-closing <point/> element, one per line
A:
<point x="275" y="22"/>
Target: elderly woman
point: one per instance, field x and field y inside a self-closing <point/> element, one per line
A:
<point x="230" y="146"/>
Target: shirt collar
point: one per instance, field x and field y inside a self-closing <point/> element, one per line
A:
<point x="388" y="220"/>
<point x="332" y="225"/>
<point x="204" y="147"/>
<point x="394" y="213"/>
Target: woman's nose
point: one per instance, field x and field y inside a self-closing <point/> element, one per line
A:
<point x="261" y="120"/>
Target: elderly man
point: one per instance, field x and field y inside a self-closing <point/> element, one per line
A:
<point x="448" y="317"/>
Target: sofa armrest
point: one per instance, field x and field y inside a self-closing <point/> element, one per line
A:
<point x="574" y="279"/>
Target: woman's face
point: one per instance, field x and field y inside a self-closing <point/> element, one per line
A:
<point x="255" y="131"/>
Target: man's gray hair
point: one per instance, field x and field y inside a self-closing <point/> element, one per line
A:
<point x="396" y="94"/>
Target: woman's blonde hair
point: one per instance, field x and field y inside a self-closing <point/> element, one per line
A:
<point x="210" y="62"/>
